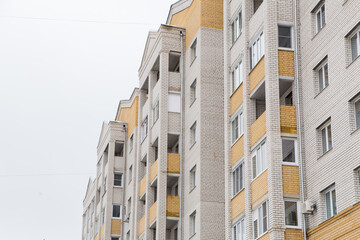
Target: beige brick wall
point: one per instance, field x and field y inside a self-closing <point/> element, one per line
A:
<point x="238" y="204"/>
<point x="259" y="187"/>
<point x="291" y="179"/>
<point x="293" y="234"/>
<point x="286" y="63"/>
<point x="257" y="74"/>
<point x="237" y="151"/>
<point x="288" y="122"/>
<point x="236" y="99"/>
<point x="258" y="129"/>
<point x="116" y="226"/>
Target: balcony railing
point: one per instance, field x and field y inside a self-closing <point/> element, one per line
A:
<point x="154" y="171"/>
<point x="288" y="119"/>
<point x="142" y="186"/>
<point x="172" y="206"/>
<point x="173" y="163"/>
<point x="141" y="226"/>
<point x="152" y="213"/>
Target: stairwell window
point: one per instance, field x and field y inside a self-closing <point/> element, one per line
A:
<point x="320" y="18"/>
<point x="239" y="230"/>
<point x="285" y="36"/>
<point x="355" y="45"/>
<point x="237" y="126"/>
<point x="193" y="178"/>
<point x="193" y="223"/>
<point x="330" y="203"/>
<point x="260" y="220"/>
<point x="256" y="50"/>
<point x="326" y="138"/>
<point x="238" y="179"/>
<point x="131" y="142"/>
<point x="116" y="211"/>
<point x="118" y="179"/>
<point x="292" y="213"/>
<point x="236" y="27"/>
<point x="236" y="76"/>
<point x="258" y="159"/>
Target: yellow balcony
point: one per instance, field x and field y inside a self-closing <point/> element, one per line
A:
<point x="237" y="151"/>
<point x="258" y="129"/>
<point x="172" y="206"/>
<point x="288" y="119"/>
<point x="257" y="74"/>
<point x="102" y="231"/>
<point x="236" y="99"/>
<point x="173" y="163"/>
<point x="154" y="171"/>
<point x="238" y="204"/>
<point x="259" y="188"/>
<point x="141" y="226"/>
<point x="295" y="234"/>
<point x="116" y="226"/>
<point x="152" y="214"/>
<point x="286" y="63"/>
<point x="291" y="179"/>
<point x="142" y="187"/>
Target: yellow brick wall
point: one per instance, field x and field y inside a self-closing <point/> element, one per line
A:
<point x="152" y="214"/>
<point x="96" y="237"/>
<point x="237" y="150"/>
<point x="173" y="163"/>
<point x="345" y="225"/>
<point x="201" y="13"/>
<point x="116" y="226"/>
<point x="257" y="74"/>
<point x="102" y="231"/>
<point x="172" y="206"/>
<point x="238" y="204"/>
<point x="236" y="99"/>
<point x="258" y="129"/>
<point x="259" y="187"/>
<point x="265" y="237"/>
<point x="291" y="179"/>
<point x="130" y="115"/>
<point x="288" y="119"/>
<point x="141" y="226"/>
<point x="286" y="63"/>
<point x="293" y="234"/>
<point x="142" y="186"/>
<point x="154" y="171"/>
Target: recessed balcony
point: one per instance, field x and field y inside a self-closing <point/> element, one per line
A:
<point x="141" y="226"/>
<point x="173" y="169"/>
<point x="172" y="212"/>
<point x="142" y="188"/>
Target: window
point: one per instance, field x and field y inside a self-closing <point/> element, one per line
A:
<point x="115" y="238"/>
<point x="256" y="50"/>
<point x="131" y="142"/>
<point x="236" y="27"/>
<point x="174" y="102"/>
<point x="104" y="185"/>
<point x="257" y="4"/>
<point x="357" y="114"/>
<point x="323" y="77"/>
<point x="260" y="220"/>
<point x="330" y="203"/>
<point x="194" y="50"/>
<point x="193" y="134"/>
<point x="238" y="179"/>
<point x="320" y="18"/>
<point x="292" y="213"/>
<point x="239" y="230"/>
<point x="118" y="179"/>
<point x="116" y="211"/>
<point x="99" y="169"/>
<point x="326" y="139"/>
<point x="130" y="173"/>
<point x="285" y="40"/>
<point x="193" y="92"/>
<point x="155" y="111"/>
<point x="355" y="45"/>
<point x="237" y="127"/>
<point x="236" y="76"/>
<point x="144" y="129"/>
<point x="193" y="223"/>
<point x="103" y="216"/>
<point x="288" y="150"/>
<point x="259" y="163"/>
<point x="193" y="178"/>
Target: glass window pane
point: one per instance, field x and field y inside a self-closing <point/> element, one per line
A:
<point x="284" y="36"/>
<point x="328" y="205"/>
<point x="256" y="229"/>
<point x="264" y="213"/>
<point x="323" y="16"/>
<point x="354" y="47"/>
<point x="254" y="166"/>
<point x="291" y="213"/>
<point x="357" y="114"/>
<point x="318" y="22"/>
<point x="323" y="139"/>
<point x="333" y="196"/>
<point x="326" y="75"/>
<point x="288" y="150"/>
<point x="116" y="211"/>
<point x="329" y="137"/>
<point x="321" y="79"/>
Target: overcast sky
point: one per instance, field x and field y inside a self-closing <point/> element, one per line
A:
<point x="64" y="66"/>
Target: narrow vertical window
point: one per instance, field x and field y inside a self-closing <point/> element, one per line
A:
<point x="193" y="223"/>
<point x="291" y="213"/>
<point x="330" y="202"/>
<point x="288" y="150"/>
<point x="236" y="77"/>
<point x="193" y="134"/>
<point x="237" y="127"/>
<point x="326" y="138"/>
<point x="323" y="74"/>
<point x="285" y="40"/>
<point x="155" y="111"/>
<point x="236" y="27"/>
<point x="260" y="220"/>
<point x="355" y="45"/>
<point x="320" y="18"/>
<point x="194" y="50"/>
<point x="193" y="178"/>
<point x="259" y="163"/>
<point x="193" y="92"/>
<point x="357" y="114"/>
<point x="144" y="128"/>
<point x="238" y="179"/>
<point x="256" y="50"/>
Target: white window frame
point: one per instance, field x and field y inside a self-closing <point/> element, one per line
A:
<point x="236" y="76"/>
<point x="122" y="179"/>
<point x="239" y="230"/>
<point x="322" y="79"/>
<point x="332" y="213"/>
<point x="327" y="144"/>
<point x="295" y="152"/>
<point x="258" y="214"/>
<point x="291" y="37"/>
<point x="193" y="178"/>
<point x="131" y="142"/>
<point x="193" y="136"/>
<point x="194" y="50"/>
<point x="239" y="128"/>
<point x="357" y="115"/>
<point x="241" y="178"/>
<point x="120" y="206"/>
<point x="257" y="50"/>
<point x="193" y="90"/>
<point x="144" y="128"/>
<point x="115" y="236"/>
<point x="176" y="96"/>
<point x="130" y="173"/>
<point x="193" y="223"/>
<point x="298" y="213"/>
<point x="357" y="35"/>
<point x="236" y="26"/>
<point x="321" y="12"/>
<point x="261" y="162"/>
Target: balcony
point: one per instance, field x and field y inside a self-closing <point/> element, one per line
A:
<point x="238" y="204"/>
<point x="154" y="172"/>
<point x="258" y="129"/>
<point x="173" y="163"/>
<point x="142" y="188"/>
<point x="152" y="215"/>
<point x="286" y="63"/>
<point x="141" y="226"/>
<point x="257" y="74"/>
<point x="172" y="212"/>
<point x="173" y="169"/>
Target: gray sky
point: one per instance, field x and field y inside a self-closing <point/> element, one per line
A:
<point x="64" y="66"/>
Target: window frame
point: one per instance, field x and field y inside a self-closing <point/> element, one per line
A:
<point x="120" y="207"/>
<point x="291" y="36"/>
<point x="236" y="70"/>
<point x="263" y="162"/>
<point x="193" y="49"/>
<point x="322" y="68"/>
<point x="239" y="115"/>
<point x="351" y="36"/>
<point x="155" y="111"/>
<point x="193" y="137"/>
<point x="193" y="223"/>
<point x="322" y="18"/>
<point x="193" y="178"/>
<point x="356" y="115"/>
<point x="241" y="166"/>
<point x="144" y="128"/>
<point x="257" y="44"/>
<point x="236" y="26"/>
<point x="131" y="142"/>
<point x="240" y="224"/>
<point x="330" y="191"/>
<point x="178" y="98"/>
<point x="298" y="213"/>
<point x="258" y="213"/>
<point x="296" y="163"/>
<point x="326" y="127"/>
<point x="122" y="179"/>
<point x="193" y="91"/>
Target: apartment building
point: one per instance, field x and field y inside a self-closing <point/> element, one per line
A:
<point x="291" y="118"/>
<point x="245" y="125"/>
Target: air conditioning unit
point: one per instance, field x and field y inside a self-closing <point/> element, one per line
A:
<point x="308" y="207"/>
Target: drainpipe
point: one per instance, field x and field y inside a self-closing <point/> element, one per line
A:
<point x="298" y="112"/>
<point x="124" y="177"/>
<point x="181" y="135"/>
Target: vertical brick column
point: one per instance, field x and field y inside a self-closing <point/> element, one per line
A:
<point x="163" y="142"/>
<point x="274" y="160"/>
<point x="110" y="189"/>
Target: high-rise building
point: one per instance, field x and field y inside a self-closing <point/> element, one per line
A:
<point x="245" y="125"/>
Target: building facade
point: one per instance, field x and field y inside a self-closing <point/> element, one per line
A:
<point x="244" y="126"/>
